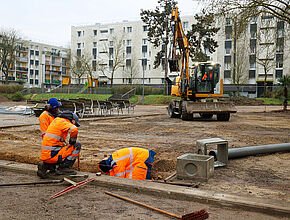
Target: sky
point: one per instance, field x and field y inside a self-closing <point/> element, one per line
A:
<point x="50" y="21"/>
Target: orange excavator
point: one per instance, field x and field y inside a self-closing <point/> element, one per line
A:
<point x="195" y="87"/>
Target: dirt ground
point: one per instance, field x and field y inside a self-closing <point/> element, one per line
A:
<point x="90" y="202"/>
<point x="265" y="176"/>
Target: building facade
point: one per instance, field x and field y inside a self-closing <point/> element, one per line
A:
<point x="103" y="43"/>
<point x="244" y="58"/>
<point x="38" y="64"/>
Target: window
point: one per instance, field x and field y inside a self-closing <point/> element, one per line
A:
<point x="95" y="44"/>
<point x="227" y="61"/>
<point x="36" y="62"/>
<point x="53" y="61"/>
<point x="254" y="19"/>
<point x="31" y="47"/>
<point x="228" y="46"/>
<point x="31" y="62"/>
<point x="111" y="30"/>
<point x="128" y="64"/>
<point x="185" y="25"/>
<point x="36" y="82"/>
<point x="79" y="45"/>
<point x="79" y="33"/>
<point x="31" y="72"/>
<point x="36" y="72"/>
<point x="144" y="41"/>
<point x="279" y="60"/>
<point x="31" y="52"/>
<point x="104" y="31"/>
<point x="128" y="50"/>
<point x="253" y="44"/>
<point x="36" y="47"/>
<point x="279" y="73"/>
<point x="94" y="51"/>
<point x="280" y="45"/>
<point x="94" y="64"/>
<point x="129" y="29"/>
<point x="144" y="50"/>
<point x="228" y="21"/>
<point x="79" y="52"/>
<point x="145" y="28"/>
<point x="31" y="81"/>
<point x="228" y="32"/>
<point x="110" y="65"/>
<point x="95" y="32"/>
<point x="36" y="53"/>
<point x="111" y="52"/>
<point x="252" y="64"/>
<point x="227" y="74"/>
<point x="129" y="42"/>
<point x="252" y="74"/>
<point x="111" y="43"/>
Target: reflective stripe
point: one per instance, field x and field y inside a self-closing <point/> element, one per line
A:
<point x="72" y="127"/>
<point x="131" y="162"/>
<point x="122" y="158"/>
<point x="75" y="152"/>
<point x="54" y="136"/>
<point x="48" y="113"/>
<point x="71" y="157"/>
<point x="120" y="174"/>
<point x="50" y="148"/>
<point x="43" y="133"/>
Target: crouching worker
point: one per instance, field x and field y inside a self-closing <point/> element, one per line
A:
<point x="132" y="163"/>
<point x="56" y="155"/>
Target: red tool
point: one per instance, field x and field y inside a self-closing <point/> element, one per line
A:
<point x="199" y="215"/>
<point x="72" y="188"/>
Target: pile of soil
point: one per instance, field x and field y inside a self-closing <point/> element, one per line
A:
<point x="3" y="99"/>
<point x="244" y="101"/>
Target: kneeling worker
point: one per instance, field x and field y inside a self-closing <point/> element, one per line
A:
<point x="55" y="153"/>
<point x="132" y="163"/>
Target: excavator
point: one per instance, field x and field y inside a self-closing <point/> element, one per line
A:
<point x="198" y="87"/>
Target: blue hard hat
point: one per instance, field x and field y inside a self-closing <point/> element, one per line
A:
<point x="53" y="103"/>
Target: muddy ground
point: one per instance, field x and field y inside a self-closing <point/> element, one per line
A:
<point x="265" y="176"/>
<point x="90" y="202"/>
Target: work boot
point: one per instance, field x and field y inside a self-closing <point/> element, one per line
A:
<point x="42" y="170"/>
<point x="65" y="171"/>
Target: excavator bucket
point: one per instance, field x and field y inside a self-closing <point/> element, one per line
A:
<point x="210" y="107"/>
<point x="173" y="65"/>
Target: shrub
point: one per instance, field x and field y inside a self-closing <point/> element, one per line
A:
<point x="10" y="89"/>
<point x="17" y="96"/>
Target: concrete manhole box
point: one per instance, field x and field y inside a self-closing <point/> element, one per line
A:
<point x="195" y="166"/>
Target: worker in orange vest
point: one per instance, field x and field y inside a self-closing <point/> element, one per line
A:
<point x="47" y="116"/>
<point x="131" y="163"/>
<point x="56" y="155"/>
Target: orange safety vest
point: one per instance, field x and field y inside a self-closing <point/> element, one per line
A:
<point x="53" y="143"/>
<point x="130" y="163"/>
<point x="44" y="121"/>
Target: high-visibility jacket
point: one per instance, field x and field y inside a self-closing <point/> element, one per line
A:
<point x="131" y="163"/>
<point x="53" y="143"/>
<point x="44" y="121"/>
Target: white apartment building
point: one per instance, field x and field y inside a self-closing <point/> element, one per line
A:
<point x="39" y="64"/>
<point x="265" y="44"/>
<point x="99" y="42"/>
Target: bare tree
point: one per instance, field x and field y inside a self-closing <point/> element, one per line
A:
<point x="132" y="69"/>
<point x="250" y="8"/>
<point x="80" y="67"/>
<point x="115" y="56"/>
<point x="8" y="45"/>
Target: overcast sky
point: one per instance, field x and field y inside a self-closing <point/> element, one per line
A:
<point x="50" y="21"/>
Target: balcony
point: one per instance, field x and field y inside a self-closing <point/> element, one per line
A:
<point x="23" y="69"/>
<point x="22" y="59"/>
<point x="58" y="73"/>
<point x="52" y="81"/>
<point x="23" y="49"/>
<point x="55" y="64"/>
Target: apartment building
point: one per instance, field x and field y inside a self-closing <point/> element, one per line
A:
<point x="39" y="65"/>
<point x="100" y="43"/>
<point x="265" y="45"/>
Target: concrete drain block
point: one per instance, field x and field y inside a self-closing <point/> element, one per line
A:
<point x="195" y="166"/>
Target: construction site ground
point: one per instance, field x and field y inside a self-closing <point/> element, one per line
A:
<point x="263" y="176"/>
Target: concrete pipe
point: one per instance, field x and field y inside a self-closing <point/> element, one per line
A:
<point x="254" y="150"/>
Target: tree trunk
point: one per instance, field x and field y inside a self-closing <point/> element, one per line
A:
<point x="285" y="99"/>
<point x="112" y="78"/>
<point x="265" y="82"/>
<point x="166" y="70"/>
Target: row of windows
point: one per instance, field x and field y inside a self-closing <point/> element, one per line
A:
<point x="31" y="81"/>
<point x="252" y="74"/>
<point x="111" y="30"/>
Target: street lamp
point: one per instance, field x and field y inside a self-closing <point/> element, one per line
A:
<point x="143" y="62"/>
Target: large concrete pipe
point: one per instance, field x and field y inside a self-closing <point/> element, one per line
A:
<point x="254" y="150"/>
